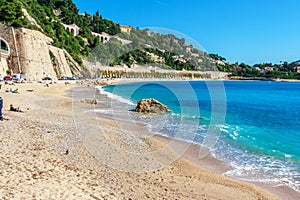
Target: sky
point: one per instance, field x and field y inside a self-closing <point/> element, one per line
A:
<point x="248" y="31"/>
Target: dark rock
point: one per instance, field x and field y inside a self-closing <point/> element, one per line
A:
<point x="151" y="106"/>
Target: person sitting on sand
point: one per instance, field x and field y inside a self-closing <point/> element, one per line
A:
<point x="14" y="91"/>
<point x="12" y="108"/>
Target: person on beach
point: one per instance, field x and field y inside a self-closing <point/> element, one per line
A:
<point x="12" y="108"/>
<point x="1" y="106"/>
<point x="13" y="91"/>
<point x="0" y="85"/>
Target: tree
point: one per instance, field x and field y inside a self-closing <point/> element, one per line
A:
<point x="11" y="13"/>
<point x="217" y="57"/>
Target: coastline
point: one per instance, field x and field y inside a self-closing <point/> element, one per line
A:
<point x="46" y="130"/>
<point x="205" y="168"/>
<point x="220" y="167"/>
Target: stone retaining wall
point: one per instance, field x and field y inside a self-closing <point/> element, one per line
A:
<point x="30" y="55"/>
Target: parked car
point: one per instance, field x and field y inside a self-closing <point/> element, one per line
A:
<point x="67" y="78"/>
<point x="15" y="78"/>
<point x="47" y="78"/>
<point x="7" y="78"/>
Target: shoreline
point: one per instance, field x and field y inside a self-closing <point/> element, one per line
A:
<point x="220" y="167"/>
<point x="48" y="157"/>
<point x="213" y="164"/>
<point x="159" y="141"/>
<point x="112" y="81"/>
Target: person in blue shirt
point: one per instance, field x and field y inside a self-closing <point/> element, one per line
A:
<point x="1" y="106"/>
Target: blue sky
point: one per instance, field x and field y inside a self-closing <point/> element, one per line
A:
<point x="249" y="31"/>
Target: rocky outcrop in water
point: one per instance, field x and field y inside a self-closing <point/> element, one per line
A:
<point x="151" y="106"/>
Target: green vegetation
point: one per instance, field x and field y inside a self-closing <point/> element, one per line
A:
<point x="143" y="57"/>
<point x="48" y="14"/>
<point x="11" y="13"/>
<point x="217" y="57"/>
<point x="268" y="71"/>
<point x="149" y="48"/>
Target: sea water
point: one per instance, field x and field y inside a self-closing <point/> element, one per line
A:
<point x="256" y="124"/>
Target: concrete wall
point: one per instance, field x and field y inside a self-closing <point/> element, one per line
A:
<point x="30" y="54"/>
<point x="33" y="48"/>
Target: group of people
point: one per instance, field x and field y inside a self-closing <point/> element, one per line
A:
<point x="11" y="106"/>
<point x="9" y="90"/>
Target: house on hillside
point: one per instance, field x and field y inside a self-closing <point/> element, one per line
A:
<point x="126" y="29"/>
<point x="219" y="62"/>
<point x="257" y="69"/>
<point x="269" y="68"/>
<point x="180" y="58"/>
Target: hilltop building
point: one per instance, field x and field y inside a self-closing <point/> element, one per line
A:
<point x="269" y="68"/>
<point x="126" y="29"/>
<point x="219" y="62"/>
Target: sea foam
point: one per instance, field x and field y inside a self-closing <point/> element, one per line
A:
<point x="114" y="96"/>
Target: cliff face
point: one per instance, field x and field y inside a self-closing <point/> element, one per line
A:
<point x="32" y="54"/>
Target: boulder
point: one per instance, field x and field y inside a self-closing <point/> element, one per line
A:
<point x="151" y="106"/>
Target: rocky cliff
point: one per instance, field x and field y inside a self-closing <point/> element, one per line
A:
<point x="31" y="53"/>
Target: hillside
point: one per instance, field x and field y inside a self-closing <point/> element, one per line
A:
<point x="81" y="37"/>
<point x="155" y="49"/>
<point x="144" y="47"/>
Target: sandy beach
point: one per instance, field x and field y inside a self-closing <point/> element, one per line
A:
<point x="46" y="155"/>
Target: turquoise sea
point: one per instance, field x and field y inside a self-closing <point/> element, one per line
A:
<point x="256" y="124"/>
